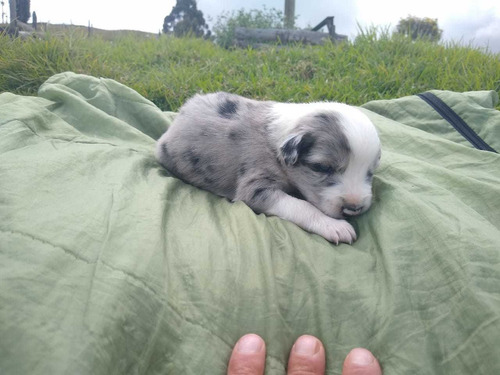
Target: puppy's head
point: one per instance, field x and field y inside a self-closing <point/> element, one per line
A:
<point x="330" y="156"/>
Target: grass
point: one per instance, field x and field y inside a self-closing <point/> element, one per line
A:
<point x="166" y="70"/>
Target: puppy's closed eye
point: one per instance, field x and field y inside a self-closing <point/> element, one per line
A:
<point x="322" y="168"/>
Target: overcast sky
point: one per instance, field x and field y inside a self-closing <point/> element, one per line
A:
<point x="475" y="21"/>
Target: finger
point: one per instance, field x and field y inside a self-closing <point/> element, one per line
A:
<point x="361" y="362"/>
<point x="307" y="357"/>
<point x="248" y="356"/>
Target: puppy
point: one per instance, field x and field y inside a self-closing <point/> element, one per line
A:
<point x="269" y="155"/>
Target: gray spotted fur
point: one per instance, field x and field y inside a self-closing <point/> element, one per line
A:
<point x="218" y="146"/>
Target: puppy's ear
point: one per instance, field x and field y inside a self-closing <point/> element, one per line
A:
<point x="295" y="147"/>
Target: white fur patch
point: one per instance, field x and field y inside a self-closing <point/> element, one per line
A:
<point x="311" y="219"/>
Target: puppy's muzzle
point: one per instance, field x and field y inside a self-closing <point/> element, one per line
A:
<point x="351" y="210"/>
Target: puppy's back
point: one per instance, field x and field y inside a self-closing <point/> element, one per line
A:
<point x="212" y="137"/>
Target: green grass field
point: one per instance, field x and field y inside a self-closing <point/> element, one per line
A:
<point x="166" y="70"/>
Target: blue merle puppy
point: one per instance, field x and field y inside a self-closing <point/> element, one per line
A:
<point x="311" y="164"/>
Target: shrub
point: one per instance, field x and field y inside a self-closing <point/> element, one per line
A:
<point x="420" y="28"/>
<point x="254" y="18"/>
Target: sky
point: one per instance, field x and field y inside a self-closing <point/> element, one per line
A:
<point x="475" y="22"/>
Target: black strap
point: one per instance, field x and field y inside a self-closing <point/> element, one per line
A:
<point x="456" y="121"/>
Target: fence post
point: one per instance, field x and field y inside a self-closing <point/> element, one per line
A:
<point x="13" y="10"/>
<point x="289" y="14"/>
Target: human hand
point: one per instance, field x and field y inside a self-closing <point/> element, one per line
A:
<point x="306" y="357"/>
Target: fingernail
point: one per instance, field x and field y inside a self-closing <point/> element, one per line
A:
<point x="250" y="344"/>
<point x="361" y="357"/>
<point x="306" y="345"/>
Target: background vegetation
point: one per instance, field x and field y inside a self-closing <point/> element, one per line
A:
<point x="185" y="19"/>
<point x="168" y="70"/>
<point x="420" y="28"/>
<point x="255" y="18"/>
<point x="23" y="10"/>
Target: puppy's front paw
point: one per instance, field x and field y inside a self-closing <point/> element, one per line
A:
<point x="337" y="231"/>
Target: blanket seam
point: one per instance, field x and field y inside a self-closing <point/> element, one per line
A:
<point x="458" y="123"/>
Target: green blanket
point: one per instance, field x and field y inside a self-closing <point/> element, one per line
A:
<point x="110" y="266"/>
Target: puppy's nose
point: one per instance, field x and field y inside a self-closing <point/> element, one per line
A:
<point x="351" y="210"/>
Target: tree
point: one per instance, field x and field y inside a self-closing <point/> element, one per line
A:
<point x="23" y="10"/>
<point x="425" y="28"/>
<point x="186" y="19"/>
